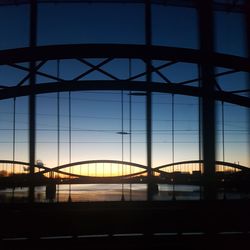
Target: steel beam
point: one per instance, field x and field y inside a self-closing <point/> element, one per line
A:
<point x="66" y="86"/>
<point x="227" y="7"/>
<point x="247" y="14"/>
<point x="71" y="51"/>
<point x="148" y="41"/>
<point x="32" y="98"/>
<point x="208" y="103"/>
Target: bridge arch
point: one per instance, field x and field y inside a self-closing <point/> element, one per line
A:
<point x="175" y="55"/>
<point x="149" y="54"/>
<point x="199" y="164"/>
<point x="183" y="166"/>
<point x="115" y="164"/>
<point x="8" y="164"/>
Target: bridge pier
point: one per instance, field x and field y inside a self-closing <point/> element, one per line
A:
<point x="51" y="191"/>
<point x="152" y="187"/>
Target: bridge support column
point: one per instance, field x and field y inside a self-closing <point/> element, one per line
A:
<point x="32" y="99"/>
<point x="148" y="41"/>
<point x="205" y="13"/>
<point x="247" y="9"/>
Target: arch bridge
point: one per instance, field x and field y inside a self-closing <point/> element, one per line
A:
<point x="115" y="171"/>
<point x="155" y="60"/>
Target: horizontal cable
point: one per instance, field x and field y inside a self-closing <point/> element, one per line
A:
<point x="113" y="142"/>
<point x="117" y="130"/>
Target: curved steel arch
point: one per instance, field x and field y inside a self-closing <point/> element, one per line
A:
<point x="93" y="162"/>
<point x="97" y="177"/>
<point x="178" y="163"/>
<point x="227" y="164"/>
<point x="11" y="92"/>
<point x="233" y="165"/>
<point x="23" y="163"/>
<point x="70" y="51"/>
<point x="156" y="169"/>
<point x="143" y="52"/>
<point x="57" y="169"/>
<point x="98" y="85"/>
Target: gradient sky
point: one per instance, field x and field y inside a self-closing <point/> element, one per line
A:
<point x="96" y="116"/>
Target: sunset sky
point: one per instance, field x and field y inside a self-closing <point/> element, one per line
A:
<point x="96" y="115"/>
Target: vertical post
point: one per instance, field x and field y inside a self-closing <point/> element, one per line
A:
<point x="148" y="40"/>
<point x="205" y="13"/>
<point x="14" y="135"/>
<point x="70" y="148"/>
<point x="14" y="142"/>
<point x="122" y="134"/>
<point x="200" y="132"/>
<point x="32" y="97"/>
<point x="58" y="129"/>
<point x="130" y="134"/>
<point x="247" y="8"/>
<point x="173" y="155"/>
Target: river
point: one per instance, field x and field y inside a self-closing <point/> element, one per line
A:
<point x="110" y="192"/>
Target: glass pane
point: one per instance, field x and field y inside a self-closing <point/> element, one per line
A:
<point x="14" y="26"/>
<point x="174" y="26"/>
<point x="230" y="32"/>
<point x="90" y="23"/>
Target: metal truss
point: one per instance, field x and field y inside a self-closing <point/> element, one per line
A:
<point x="107" y="53"/>
<point x="32" y="60"/>
<point x="41" y="169"/>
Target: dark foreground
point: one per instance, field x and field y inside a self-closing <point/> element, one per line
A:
<point x="126" y="225"/>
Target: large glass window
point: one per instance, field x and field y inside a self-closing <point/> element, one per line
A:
<point x="14" y="26"/>
<point x="90" y="23"/>
<point x="174" y="26"/>
<point x="229" y="33"/>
